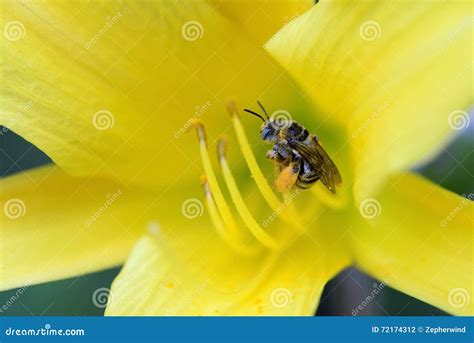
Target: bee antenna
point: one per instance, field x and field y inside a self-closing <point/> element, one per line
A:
<point x="255" y="114"/>
<point x="263" y="109"/>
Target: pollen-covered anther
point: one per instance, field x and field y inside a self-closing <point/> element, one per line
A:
<point x="232" y="107"/>
<point x="219" y="210"/>
<point x="211" y="179"/>
<point x="222" y="148"/>
<point x="201" y="132"/>
<point x="203" y="182"/>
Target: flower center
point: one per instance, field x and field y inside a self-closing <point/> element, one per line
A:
<point x="257" y="237"/>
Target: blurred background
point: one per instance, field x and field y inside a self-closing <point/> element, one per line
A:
<point x="453" y="169"/>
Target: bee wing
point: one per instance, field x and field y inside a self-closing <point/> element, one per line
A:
<point x="321" y="162"/>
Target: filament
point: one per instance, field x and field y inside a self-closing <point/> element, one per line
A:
<point x="239" y="202"/>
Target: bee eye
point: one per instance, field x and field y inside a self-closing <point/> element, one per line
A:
<point x="266" y="133"/>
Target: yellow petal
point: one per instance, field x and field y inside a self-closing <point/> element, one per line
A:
<point x="184" y="268"/>
<point x="54" y="226"/>
<point x="261" y="19"/>
<point x="395" y="74"/>
<point x="421" y="243"/>
<point x="109" y="88"/>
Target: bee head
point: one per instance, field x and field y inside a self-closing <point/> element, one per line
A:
<point x="269" y="131"/>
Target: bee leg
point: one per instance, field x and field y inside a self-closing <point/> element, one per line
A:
<point x="271" y="154"/>
<point x="287" y="177"/>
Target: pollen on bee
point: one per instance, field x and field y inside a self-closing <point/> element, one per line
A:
<point x="286" y="179"/>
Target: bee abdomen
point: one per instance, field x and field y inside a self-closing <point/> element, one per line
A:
<point x="306" y="180"/>
<point x="304" y="184"/>
<point x="304" y="134"/>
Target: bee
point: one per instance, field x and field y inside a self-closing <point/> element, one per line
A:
<point x="299" y="158"/>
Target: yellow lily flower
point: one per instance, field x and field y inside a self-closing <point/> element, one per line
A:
<point x="109" y="90"/>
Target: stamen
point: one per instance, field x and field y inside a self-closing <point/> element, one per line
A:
<point x="239" y="202"/>
<point x="224" y="210"/>
<point x="258" y="176"/>
<point x="268" y="194"/>
<point x="219" y="224"/>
